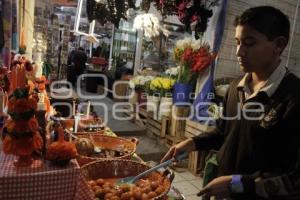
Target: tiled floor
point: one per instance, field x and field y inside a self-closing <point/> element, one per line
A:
<point x="188" y="184"/>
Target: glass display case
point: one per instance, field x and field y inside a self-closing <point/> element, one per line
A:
<point x="157" y="52"/>
<point x="124" y="45"/>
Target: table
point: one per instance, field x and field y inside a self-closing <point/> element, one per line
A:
<point x="41" y="181"/>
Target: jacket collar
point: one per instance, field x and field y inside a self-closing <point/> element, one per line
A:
<point x="269" y="87"/>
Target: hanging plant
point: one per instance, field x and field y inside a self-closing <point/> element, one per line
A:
<point x="122" y="7"/>
<point x="98" y="11"/>
<point x="145" y="5"/>
<point x="112" y="11"/>
<point x="195" y="13"/>
<point x="166" y="7"/>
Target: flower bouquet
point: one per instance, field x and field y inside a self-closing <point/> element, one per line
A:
<point x="194" y="15"/>
<point x="193" y="56"/>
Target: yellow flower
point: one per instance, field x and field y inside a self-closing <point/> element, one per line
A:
<point x="168" y="83"/>
<point x="155" y="84"/>
<point x="162" y="84"/>
<point x="177" y="53"/>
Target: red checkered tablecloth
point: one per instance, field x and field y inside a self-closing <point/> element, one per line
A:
<point x="41" y="181"/>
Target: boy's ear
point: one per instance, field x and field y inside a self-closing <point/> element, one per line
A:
<point x="280" y="42"/>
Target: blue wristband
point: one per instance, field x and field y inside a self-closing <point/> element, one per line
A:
<point x="236" y="184"/>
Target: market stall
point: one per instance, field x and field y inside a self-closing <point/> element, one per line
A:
<point x="74" y="70"/>
<point x="47" y="156"/>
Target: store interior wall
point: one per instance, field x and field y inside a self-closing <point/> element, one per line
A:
<point x="28" y="24"/>
<point x="228" y="65"/>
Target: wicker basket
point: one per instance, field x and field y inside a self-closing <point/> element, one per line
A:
<point x="117" y="168"/>
<point x="68" y="124"/>
<point x="108" y="142"/>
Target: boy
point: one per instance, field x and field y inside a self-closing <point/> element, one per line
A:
<point x="258" y="138"/>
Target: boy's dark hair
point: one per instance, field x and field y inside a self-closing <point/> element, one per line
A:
<point x="267" y="20"/>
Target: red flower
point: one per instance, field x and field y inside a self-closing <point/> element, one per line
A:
<point x="187" y="55"/>
<point x="202" y="59"/>
<point x="181" y="12"/>
<point x="182" y="6"/>
<point x="195" y="18"/>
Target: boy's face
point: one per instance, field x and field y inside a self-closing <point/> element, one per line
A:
<point x="254" y="51"/>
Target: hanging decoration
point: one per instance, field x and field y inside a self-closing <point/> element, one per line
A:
<point x="166" y="7"/>
<point x="150" y="24"/>
<point x="111" y="10"/>
<point x="97" y="11"/>
<point x="194" y="14"/>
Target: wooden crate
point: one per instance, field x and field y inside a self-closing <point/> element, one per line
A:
<point x="129" y="112"/>
<point x="170" y="141"/>
<point x="196" y="161"/>
<point x="143" y="112"/>
<point x="140" y="116"/>
<point x="193" y="128"/>
<point x="157" y="127"/>
<point x="177" y="126"/>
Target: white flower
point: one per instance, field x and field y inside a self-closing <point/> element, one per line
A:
<point x="196" y="44"/>
<point x="149" y="23"/>
<point x="184" y="43"/>
<point x="145" y="79"/>
<point x="173" y="71"/>
<point x="189" y="42"/>
<point x="139" y="81"/>
<point x="131" y="84"/>
<point x="138" y="22"/>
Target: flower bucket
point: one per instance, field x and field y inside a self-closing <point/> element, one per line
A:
<point x="181" y="93"/>
<point x="152" y="104"/>
<point x="165" y="107"/>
